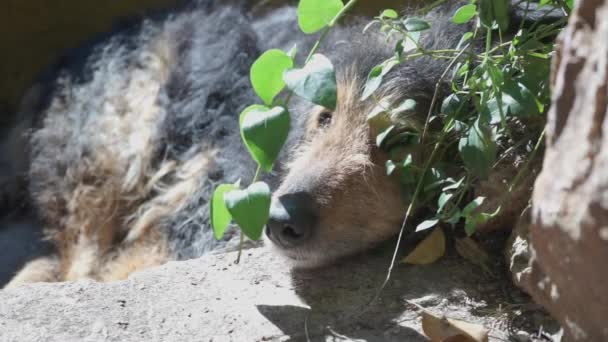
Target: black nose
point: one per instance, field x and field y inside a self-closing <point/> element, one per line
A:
<point x="292" y="219"/>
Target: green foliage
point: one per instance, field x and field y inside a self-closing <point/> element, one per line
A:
<point x="491" y="91"/>
<point x="504" y="86"/>
<point x="316" y="81"/>
<point x="266" y="74"/>
<point x="249" y="208"/>
<point x="264" y="131"/>
<point x="314" y="15"/>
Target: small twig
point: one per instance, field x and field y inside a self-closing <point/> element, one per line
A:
<point x="238" y="256"/>
<point x="437" y="85"/>
<point x="527" y="164"/>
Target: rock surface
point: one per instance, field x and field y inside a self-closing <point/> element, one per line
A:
<point x="569" y="232"/>
<point x="211" y="299"/>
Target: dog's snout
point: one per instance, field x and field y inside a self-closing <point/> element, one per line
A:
<point x="292" y="220"/>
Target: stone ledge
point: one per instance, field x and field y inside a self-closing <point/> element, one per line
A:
<point x="211" y="299"/>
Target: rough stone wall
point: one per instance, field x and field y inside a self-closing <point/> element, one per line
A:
<point x="569" y="232"/>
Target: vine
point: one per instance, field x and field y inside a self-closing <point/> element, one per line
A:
<point x="265" y="127"/>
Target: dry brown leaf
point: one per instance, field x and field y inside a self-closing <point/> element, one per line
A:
<point x="442" y="329"/>
<point x="472" y="252"/>
<point x="429" y="250"/>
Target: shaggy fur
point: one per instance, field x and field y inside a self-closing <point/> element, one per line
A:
<point x="129" y="142"/>
<point x="126" y="154"/>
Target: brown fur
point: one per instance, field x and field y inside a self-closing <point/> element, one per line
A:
<point x="105" y="217"/>
<point x="344" y="172"/>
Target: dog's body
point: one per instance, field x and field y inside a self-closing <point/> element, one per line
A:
<point x="126" y="147"/>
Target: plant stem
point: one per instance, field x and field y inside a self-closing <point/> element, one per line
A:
<point x="344" y="9"/>
<point x="242" y="236"/>
<point x="257" y="174"/>
<point x="242" y="239"/>
<point x="331" y="24"/>
<point x="408" y="213"/>
<point x="315" y="47"/>
<point x="527" y="164"/>
<point x="437" y="86"/>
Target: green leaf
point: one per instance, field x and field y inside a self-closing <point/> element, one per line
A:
<point x="498" y="11"/>
<point x="535" y="76"/>
<point x="454" y="186"/>
<point x="570" y="4"/>
<point x="452" y="105"/>
<point x="469" y="208"/>
<point x="250" y="208"/>
<point x="374" y="78"/>
<point x="402" y="114"/>
<point x="470" y="226"/>
<point x="426" y="225"/>
<point x="266" y="74"/>
<point x="383" y="135"/>
<point x="390" y="167"/>
<point x="416" y="24"/>
<point x="464" y="14"/>
<point x="389" y="13"/>
<point x="516" y="99"/>
<point x="444" y="198"/>
<point x="292" y="53"/>
<point x="314" y="15"/>
<point x="454" y="218"/>
<point x="220" y="216"/>
<point x="378" y="118"/>
<point x="412" y="39"/>
<point x="476" y="220"/>
<point x="406" y="106"/>
<point x="316" y="81"/>
<point x="502" y="14"/>
<point x="465" y="38"/>
<point x="407" y="171"/>
<point x="264" y="131"/>
<point x="478" y="150"/>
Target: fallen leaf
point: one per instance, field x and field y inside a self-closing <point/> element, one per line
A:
<point x="429" y="250"/>
<point x="472" y="252"/>
<point x="442" y="329"/>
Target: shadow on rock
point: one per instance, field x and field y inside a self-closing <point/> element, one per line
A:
<point x="339" y="297"/>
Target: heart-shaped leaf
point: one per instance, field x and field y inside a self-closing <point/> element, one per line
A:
<point x="314" y="15"/>
<point x="264" y="131"/>
<point x="266" y="74"/>
<point x="220" y="216"/>
<point x="316" y="81"/>
<point x="249" y="208"/>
